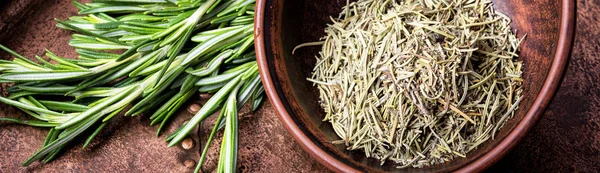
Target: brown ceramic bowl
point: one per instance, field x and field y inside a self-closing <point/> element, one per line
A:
<point x="283" y="24"/>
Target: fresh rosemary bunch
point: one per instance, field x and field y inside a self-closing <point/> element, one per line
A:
<point x="169" y="50"/>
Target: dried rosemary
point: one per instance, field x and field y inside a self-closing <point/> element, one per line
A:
<point x="420" y="82"/>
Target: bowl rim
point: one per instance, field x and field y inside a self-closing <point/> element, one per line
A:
<point x="553" y="80"/>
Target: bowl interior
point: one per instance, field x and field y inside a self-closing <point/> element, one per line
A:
<point x="288" y="23"/>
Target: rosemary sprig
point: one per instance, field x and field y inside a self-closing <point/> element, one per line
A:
<point x="171" y="50"/>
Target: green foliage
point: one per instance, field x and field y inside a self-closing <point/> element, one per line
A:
<point x="171" y="50"/>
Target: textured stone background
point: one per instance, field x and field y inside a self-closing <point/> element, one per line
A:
<point x="566" y="139"/>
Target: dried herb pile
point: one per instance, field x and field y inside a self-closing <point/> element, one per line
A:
<point x="418" y="82"/>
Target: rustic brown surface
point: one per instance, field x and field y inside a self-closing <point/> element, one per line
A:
<point x="10" y="16"/>
<point x="566" y="139"/>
